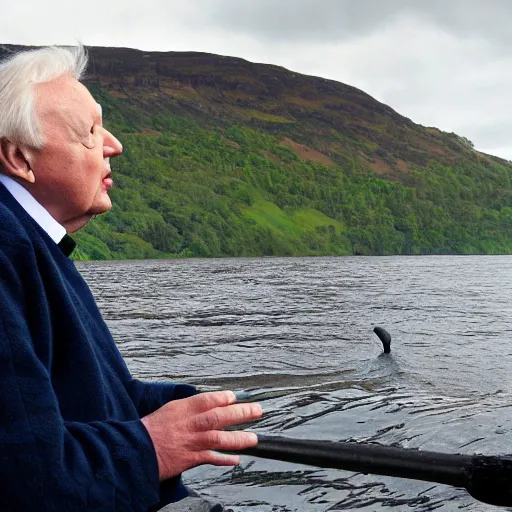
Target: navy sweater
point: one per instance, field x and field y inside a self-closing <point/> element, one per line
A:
<point x="71" y="438"/>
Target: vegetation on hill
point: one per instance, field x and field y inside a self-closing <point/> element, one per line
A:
<point x="223" y="157"/>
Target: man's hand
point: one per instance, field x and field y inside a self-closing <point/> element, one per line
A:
<point x="184" y="432"/>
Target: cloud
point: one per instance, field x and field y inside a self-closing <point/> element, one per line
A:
<point x="302" y="20"/>
<point x="340" y="20"/>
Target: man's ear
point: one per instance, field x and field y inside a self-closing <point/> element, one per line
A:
<point x="13" y="161"/>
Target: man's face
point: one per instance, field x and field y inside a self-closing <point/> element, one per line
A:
<point x="72" y="169"/>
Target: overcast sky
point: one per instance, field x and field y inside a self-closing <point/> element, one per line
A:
<point x="443" y="63"/>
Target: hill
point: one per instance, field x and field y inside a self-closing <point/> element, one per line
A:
<point x="227" y="157"/>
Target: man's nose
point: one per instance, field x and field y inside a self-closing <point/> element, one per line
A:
<point x="111" y="146"/>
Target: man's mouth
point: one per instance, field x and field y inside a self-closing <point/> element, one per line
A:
<point x="108" y="181"/>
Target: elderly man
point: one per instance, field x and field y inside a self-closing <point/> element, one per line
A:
<point x="77" y="432"/>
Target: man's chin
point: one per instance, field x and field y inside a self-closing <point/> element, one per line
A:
<point x="104" y="205"/>
<point x="79" y="221"/>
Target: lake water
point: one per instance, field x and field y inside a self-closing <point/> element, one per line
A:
<point x="297" y="332"/>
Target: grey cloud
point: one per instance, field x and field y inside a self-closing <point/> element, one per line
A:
<point x="287" y="20"/>
<point x="338" y="20"/>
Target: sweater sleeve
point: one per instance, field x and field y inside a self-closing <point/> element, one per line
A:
<point x="148" y="396"/>
<point x="48" y="464"/>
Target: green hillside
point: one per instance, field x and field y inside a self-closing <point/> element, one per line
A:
<point x="190" y="190"/>
<point x="228" y="158"/>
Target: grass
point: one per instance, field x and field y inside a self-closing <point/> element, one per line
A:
<point x="309" y="218"/>
<point x="270" y="216"/>
<point x="292" y="222"/>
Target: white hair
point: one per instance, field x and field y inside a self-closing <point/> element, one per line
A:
<point x="18" y="75"/>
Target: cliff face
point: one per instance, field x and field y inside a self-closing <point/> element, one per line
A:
<point x="328" y="116"/>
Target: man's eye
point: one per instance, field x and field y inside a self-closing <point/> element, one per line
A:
<point x="89" y="141"/>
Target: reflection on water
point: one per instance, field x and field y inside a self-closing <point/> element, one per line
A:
<point x="297" y="333"/>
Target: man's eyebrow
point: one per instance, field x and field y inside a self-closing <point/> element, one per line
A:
<point x="100" y="110"/>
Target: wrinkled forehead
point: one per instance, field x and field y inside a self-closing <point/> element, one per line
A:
<point x="65" y="100"/>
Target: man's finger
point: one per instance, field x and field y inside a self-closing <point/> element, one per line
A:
<point x="222" y="417"/>
<point x="225" y="440"/>
<point x="204" y="402"/>
<point x="220" y="459"/>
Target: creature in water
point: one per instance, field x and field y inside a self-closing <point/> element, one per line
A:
<point x="384" y="337"/>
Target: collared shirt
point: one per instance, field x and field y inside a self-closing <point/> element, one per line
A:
<point x="55" y="231"/>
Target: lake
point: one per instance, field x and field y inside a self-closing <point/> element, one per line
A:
<point x="298" y="333"/>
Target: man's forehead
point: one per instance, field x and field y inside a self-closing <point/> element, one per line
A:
<point x="65" y="95"/>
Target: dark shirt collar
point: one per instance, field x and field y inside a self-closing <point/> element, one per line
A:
<point x="66" y="245"/>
